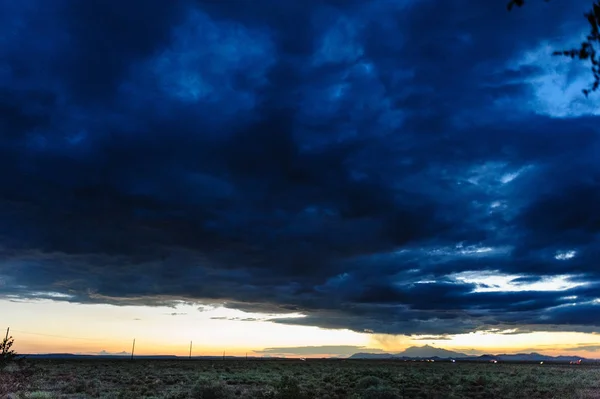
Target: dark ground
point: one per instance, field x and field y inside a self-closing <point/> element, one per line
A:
<point x="373" y="379"/>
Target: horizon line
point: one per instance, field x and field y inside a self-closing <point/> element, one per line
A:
<point x="377" y="356"/>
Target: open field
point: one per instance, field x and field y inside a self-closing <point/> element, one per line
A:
<point x="376" y="379"/>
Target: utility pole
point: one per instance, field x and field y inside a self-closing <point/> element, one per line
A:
<point x="7" y="330"/>
<point x="133" y="349"/>
<point x="190" y="349"/>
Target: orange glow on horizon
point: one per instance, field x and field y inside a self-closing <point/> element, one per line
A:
<point x="46" y="326"/>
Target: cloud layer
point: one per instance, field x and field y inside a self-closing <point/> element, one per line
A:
<point x="387" y="166"/>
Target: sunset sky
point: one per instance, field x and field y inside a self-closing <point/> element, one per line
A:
<point x="297" y="178"/>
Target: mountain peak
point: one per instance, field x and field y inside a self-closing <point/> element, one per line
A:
<point x="429" y="351"/>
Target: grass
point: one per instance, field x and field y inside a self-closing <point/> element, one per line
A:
<point x="289" y="379"/>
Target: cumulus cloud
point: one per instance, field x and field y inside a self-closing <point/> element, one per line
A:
<point x="381" y="166"/>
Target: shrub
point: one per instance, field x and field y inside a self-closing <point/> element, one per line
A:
<point x="40" y="395"/>
<point x="7" y="354"/>
<point x="372" y="387"/>
<point x="15" y="379"/>
<point x="380" y="392"/>
<point x="288" y="388"/>
<point x="210" y="390"/>
<point x="15" y="373"/>
<point x="368" y="382"/>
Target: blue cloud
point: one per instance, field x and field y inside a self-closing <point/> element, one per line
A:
<point x="353" y="161"/>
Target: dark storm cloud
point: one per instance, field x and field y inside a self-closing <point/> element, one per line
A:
<point x="348" y="161"/>
<point x="431" y="337"/>
<point x="108" y="37"/>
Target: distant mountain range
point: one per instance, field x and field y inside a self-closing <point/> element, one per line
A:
<point x="430" y="352"/>
<point x="412" y="353"/>
<point x="124" y="356"/>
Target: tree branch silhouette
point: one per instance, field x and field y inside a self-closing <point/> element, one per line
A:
<point x="588" y="50"/>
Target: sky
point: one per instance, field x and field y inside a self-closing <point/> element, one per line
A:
<point x="315" y="177"/>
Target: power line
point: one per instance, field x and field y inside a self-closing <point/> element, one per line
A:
<point x="83" y="339"/>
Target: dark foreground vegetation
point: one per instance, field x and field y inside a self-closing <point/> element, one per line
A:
<point x="373" y="379"/>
